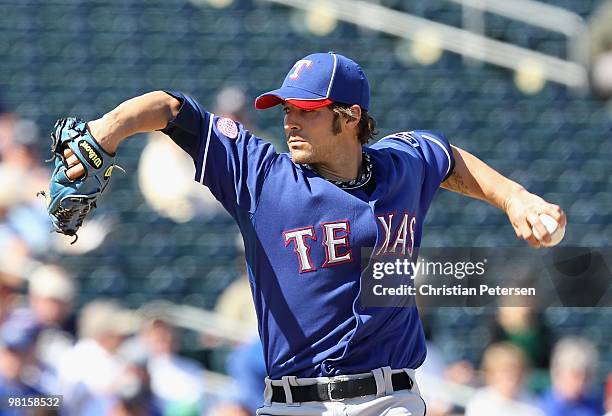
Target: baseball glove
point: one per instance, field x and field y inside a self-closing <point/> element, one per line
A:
<point x="69" y="201"/>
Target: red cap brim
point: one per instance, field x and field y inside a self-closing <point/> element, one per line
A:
<point x="267" y="101"/>
<point x="310" y="104"/>
<point x="270" y="100"/>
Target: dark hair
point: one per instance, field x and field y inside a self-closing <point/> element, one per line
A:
<point x="367" y="124"/>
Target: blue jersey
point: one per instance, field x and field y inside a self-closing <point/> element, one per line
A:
<point x="303" y="237"/>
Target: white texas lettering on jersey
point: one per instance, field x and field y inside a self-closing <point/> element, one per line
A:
<point x="297" y="68"/>
<point x="332" y="241"/>
<point x="335" y="236"/>
<point x="298" y="237"/>
<point x="402" y="238"/>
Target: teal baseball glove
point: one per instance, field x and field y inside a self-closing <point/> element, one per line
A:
<point x="69" y="201"/>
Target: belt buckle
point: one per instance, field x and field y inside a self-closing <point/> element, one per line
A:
<point x="329" y="392"/>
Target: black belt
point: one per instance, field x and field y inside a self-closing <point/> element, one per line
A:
<point x="338" y="390"/>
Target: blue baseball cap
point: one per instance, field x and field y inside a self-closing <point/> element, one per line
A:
<point x="318" y="80"/>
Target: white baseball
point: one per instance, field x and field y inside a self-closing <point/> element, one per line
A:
<point x="554" y="229"/>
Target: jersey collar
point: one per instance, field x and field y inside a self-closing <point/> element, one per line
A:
<point x="364" y="176"/>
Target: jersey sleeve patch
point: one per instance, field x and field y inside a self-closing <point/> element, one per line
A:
<point x="227" y="127"/>
<point x="405" y="136"/>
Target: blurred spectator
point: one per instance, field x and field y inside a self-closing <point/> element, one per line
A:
<point x="90" y="372"/>
<point x="524" y="328"/>
<point x="176" y="382"/>
<point x="504" y="367"/>
<point x="600" y="44"/>
<point x="247" y="368"/>
<point x="20" y="372"/>
<point x="51" y="296"/>
<point x="572" y="370"/>
<point x="521" y="326"/>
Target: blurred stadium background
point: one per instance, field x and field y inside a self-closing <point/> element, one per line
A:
<point x="537" y="112"/>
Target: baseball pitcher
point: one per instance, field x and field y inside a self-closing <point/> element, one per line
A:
<point x="304" y="217"/>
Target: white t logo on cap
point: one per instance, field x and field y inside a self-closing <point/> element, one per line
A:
<point x="298" y="67"/>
